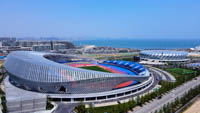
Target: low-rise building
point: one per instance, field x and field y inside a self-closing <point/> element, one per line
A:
<point x="41" y="47"/>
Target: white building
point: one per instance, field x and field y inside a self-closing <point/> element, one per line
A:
<point x="41" y="47"/>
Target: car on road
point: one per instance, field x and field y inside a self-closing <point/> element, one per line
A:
<point x="159" y="97"/>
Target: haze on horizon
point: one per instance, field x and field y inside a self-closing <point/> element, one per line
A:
<point x="100" y="18"/>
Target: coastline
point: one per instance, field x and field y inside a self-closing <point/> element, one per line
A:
<point x="142" y="43"/>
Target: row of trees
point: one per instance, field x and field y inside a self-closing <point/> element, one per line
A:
<point x="120" y="108"/>
<point x="2" y="93"/>
<point x="123" y="107"/>
<point x="180" y="102"/>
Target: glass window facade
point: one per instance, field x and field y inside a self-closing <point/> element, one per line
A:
<point x="37" y="72"/>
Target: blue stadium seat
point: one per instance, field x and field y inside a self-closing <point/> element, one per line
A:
<point x="137" y="68"/>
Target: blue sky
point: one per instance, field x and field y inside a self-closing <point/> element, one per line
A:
<point x="100" y="18"/>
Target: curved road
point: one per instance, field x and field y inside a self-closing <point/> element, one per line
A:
<point x="163" y="74"/>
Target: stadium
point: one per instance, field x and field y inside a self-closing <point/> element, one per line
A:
<point x="163" y="56"/>
<point x="74" y="78"/>
<point x="194" y="65"/>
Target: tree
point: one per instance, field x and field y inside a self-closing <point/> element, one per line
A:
<point x="131" y="104"/>
<point x="91" y="108"/>
<point x="81" y="108"/>
<point x="138" y="101"/>
<point x="160" y="111"/>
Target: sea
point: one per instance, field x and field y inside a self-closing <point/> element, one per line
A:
<point x="142" y="43"/>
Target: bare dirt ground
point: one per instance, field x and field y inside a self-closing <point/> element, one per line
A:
<point x="194" y="108"/>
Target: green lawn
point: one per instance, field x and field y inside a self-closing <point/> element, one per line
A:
<point x="181" y="71"/>
<point x="95" y="68"/>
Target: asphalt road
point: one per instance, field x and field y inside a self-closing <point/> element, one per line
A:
<point x="169" y="97"/>
<point x="65" y="107"/>
<point x="163" y="74"/>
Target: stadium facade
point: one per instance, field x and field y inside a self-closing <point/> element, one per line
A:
<point x="163" y="56"/>
<point x="43" y="73"/>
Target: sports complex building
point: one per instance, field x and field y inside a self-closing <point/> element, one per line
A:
<point x="162" y="56"/>
<point x="63" y="78"/>
<point x="194" y="65"/>
<point x="59" y="76"/>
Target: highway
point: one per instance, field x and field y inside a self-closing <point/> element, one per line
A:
<point x="169" y="97"/>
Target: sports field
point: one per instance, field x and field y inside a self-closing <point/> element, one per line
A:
<point x="95" y="68"/>
<point x="181" y="71"/>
